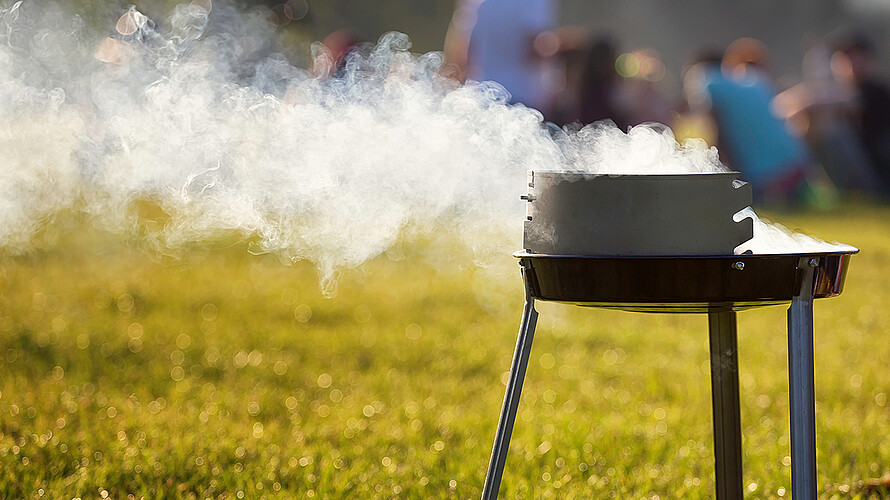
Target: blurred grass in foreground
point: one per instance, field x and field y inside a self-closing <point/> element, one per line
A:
<point x="230" y="376"/>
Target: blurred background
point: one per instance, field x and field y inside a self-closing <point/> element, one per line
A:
<point x="130" y="373"/>
<point x="791" y="93"/>
<point x="676" y="29"/>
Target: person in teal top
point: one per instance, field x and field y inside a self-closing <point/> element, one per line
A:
<point x="753" y="139"/>
<point x="758" y="142"/>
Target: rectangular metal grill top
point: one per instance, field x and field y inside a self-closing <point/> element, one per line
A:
<point x="591" y="214"/>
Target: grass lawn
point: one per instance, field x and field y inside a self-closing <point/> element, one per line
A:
<point x="229" y="375"/>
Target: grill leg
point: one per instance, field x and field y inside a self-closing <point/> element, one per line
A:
<point x="802" y="386"/>
<point x="725" y="402"/>
<point x="511" y="398"/>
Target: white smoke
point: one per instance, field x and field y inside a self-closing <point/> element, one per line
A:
<point x="647" y="149"/>
<point x="773" y="238"/>
<point x="330" y="170"/>
<point x="39" y="131"/>
<point x="205" y="122"/>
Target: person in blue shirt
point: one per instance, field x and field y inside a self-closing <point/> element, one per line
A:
<point x="510" y="42"/>
<point x="753" y="138"/>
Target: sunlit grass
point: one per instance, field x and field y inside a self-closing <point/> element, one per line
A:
<point x="229" y="375"/>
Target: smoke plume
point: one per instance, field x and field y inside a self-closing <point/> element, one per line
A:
<point x="202" y="120"/>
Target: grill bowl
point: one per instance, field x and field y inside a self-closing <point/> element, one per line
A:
<point x="681" y="284"/>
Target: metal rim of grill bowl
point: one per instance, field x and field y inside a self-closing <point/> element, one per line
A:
<point x="681" y="283"/>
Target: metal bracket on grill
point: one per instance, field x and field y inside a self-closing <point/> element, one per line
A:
<point x="529" y="197"/>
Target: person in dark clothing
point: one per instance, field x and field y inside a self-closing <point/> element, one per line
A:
<point x="600" y="87"/>
<point x="875" y="124"/>
<point x="854" y="65"/>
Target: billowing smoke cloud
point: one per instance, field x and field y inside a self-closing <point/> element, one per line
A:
<point x="773" y="238"/>
<point x="647" y="149"/>
<point x="199" y="121"/>
<point x="40" y="132"/>
<point x="330" y="170"/>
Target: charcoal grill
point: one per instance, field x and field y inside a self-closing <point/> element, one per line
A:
<point x="717" y="284"/>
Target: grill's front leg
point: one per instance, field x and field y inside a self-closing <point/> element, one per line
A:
<point x="802" y="385"/>
<point x="511" y="398"/>
<point x="725" y="401"/>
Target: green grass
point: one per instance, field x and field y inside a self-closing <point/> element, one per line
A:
<point x="228" y="375"/>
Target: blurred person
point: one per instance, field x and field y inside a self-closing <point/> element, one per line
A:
<point x="338" y="44"/>
<point x="639" y="98"/>
<point x="738" y="94"/>
<point x="854" y="65"/>
<point x="693" y="118"/>
<point x="745" y="56"/>
<point x="510" y="42"/>
<point x="600" y="88"/>
<point x="819" y="108"/>
<point x="574" y="42"/>
<point x="619" y="88"/>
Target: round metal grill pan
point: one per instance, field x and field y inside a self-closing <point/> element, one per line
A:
<point x="680" y="283"/>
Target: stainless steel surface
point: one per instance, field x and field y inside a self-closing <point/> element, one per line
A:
<point x="692" y="283"/>
<point x="723" y="340"/>
<point x="590" y="214"/>
<point x="665" y="244"/>
<point x="802" y="386"/>
<point x="801" y="277"/>
<point x="511" y="397"/>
